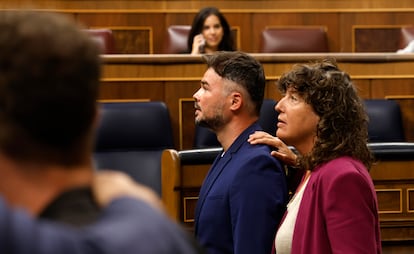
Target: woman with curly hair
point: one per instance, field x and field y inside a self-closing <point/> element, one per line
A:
<point x="334" y="208"/>
<point x="210" y="32"/>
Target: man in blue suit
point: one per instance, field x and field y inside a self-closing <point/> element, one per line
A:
<point x="244" y="194"/>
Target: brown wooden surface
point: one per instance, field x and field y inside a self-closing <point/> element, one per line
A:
<point x="140" y="26"/>
<point x="376" y="39"/>
<point x="170" y="182"/>
<point x="340" y="23"/>
<point x="174" y="79"/>
<point x="394" y="183"/>
<point x="227" y="4"/>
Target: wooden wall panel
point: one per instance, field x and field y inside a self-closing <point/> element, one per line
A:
<point x="242" y="23"/>
<point x="261" y="20"/>
<point x="181" y="105"/>
<point x="340" y="24"/>
<point x="196" y="4"/>
<point x="249" y="22"/>
<point x="393" y="181"/>
<point x="384" y="18"/>
<point x="271" y="90"/>
<point x="381" y="88"/>
<point x="364" y="87"/>
<point x="118" y="89"/>
<point x="179" y="18"/>
<point x="133" y="40"/>
<point x="375" y="38"/>
<point x="135" y="33"/>
<point x="187" y="123"/>
<point x="390" y="200"/>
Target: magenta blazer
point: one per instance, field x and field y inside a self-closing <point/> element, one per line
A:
<point x="338" y="212"/>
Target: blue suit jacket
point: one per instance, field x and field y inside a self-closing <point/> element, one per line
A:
<point x="126" y="226"/>
<point x="242" y="200"/>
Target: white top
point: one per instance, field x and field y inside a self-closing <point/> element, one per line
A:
<point x="284" y="236"/>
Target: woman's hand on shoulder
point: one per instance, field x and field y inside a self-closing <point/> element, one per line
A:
<point x="281" y="150"/>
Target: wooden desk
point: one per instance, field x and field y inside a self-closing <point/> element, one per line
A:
<point x="174" y="78"/>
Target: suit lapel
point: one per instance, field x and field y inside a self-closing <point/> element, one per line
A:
<point x="217" y="168"/>
<point x="214" y="172"/>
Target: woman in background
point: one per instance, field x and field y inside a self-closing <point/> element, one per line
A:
<point x="335" y="208"/>
<point x="210" y="32"/>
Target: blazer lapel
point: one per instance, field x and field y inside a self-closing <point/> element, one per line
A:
<point x="214" y="172"/>
<point x="218" y="166"/>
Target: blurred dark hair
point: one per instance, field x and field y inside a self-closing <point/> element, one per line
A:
<point x="49" y="83"/>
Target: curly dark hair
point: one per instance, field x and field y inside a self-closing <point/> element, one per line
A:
<point x="226" y="44"/>
<point x="343" y="126"/>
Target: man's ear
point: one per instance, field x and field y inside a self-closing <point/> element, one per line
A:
<point x="237" y="101"/>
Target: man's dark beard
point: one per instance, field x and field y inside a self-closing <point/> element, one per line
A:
<point x="211" y="123"/>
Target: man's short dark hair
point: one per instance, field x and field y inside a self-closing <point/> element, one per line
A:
<point x="242" y="69"/>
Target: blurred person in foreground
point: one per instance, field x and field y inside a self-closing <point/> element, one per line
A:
<point x="49" y="83"/>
